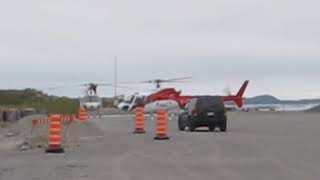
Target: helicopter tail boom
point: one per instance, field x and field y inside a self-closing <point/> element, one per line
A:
<point x="238" y="98"/>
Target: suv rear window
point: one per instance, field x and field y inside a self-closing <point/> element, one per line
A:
<point x="210" y="104"/>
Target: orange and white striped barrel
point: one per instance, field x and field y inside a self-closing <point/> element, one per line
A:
<point x="83" y="116"/>
<point x="139" y="121"/>
<point x="54" y="136"/>
<point x="67" y="119"/>
<point x="37" y="122"/>
<point x="162" y="125"/>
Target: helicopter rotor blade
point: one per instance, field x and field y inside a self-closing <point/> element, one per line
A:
<point x="61" y="87"/>
<point x="89" y="84"/>
<point x="160" y="81"/>
<point x="150" y="81"/>
<point x="127" y="87"/>
<point x="104" y="84"/>
<point x="97" y="84"/>
<point x="227" y="90"/>
<point x="118" y="86"/>
<point x="177" y="79"/>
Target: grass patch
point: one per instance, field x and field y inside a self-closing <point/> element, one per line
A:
<point x="30" y="98"/>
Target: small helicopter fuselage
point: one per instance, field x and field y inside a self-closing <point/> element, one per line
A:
<point x="91" y="102"/>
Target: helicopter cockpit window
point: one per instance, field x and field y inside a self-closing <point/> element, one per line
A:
<point x="187" y="106"/>
<point x="93" y="99"/>
<point x="139" y="99"/>
<point x="129" y="99"/>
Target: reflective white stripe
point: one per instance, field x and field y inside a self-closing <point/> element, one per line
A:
<point x="54" y="136"/>
<point x="54" y="143"/>
<point x="55" y="129"/>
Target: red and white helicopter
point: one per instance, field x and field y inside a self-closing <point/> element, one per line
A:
<point x="170" y="98"/>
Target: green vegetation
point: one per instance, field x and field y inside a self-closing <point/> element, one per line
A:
<point x="31" y="98"/>
<point x="107" y="102"/>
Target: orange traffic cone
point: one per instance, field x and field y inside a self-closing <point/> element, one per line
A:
<point x="54" y="144"/>
<point x="161" y="129"/>
<point x="139" y="121"/>
<point x="67" y="119"/>
<point x="83" y="116"/>
<point x="63" y="118"/>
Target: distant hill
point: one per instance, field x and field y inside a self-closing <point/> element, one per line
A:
<point x="303" y="101"/>
<point x="263" y="99"/>
<point x="268" y="99"/>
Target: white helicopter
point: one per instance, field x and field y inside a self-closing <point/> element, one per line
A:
<point x="91" y="100"/>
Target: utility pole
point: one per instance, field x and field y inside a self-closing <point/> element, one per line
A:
<point x="115" y="76"/>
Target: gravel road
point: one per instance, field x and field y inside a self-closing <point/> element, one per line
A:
<point x="257" y="146"/>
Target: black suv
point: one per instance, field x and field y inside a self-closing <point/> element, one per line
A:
<point x="204" y="111"/>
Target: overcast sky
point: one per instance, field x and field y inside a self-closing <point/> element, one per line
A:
<point x="274" y="43"/>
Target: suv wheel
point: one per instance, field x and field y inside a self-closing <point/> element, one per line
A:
<point x="191" y="125"/>
<point x="223" y="126"/>
<point x="181" y="124"/>
<point x="212" y="127"/>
